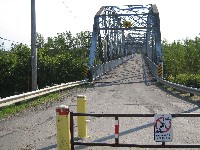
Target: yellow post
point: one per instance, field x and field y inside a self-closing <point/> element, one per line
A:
<point x="63" y="127"/>
<point x="81" y="120"/>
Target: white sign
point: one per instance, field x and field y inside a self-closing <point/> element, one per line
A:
<point x="163" y="128"/>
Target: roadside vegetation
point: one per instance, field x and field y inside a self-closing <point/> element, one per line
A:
<point x="182" y="61"/>
<point x="60" y="60"/>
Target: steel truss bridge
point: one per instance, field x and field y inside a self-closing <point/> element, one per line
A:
<point x="121" y="31"/>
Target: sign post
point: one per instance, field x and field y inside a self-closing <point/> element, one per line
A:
<point x="85" y="70"/>
<point x="163" y="128"/>
<point x="160" y="70"/>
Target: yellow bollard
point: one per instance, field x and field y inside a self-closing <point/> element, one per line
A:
<point x="63" y="127"/>
<point x="81" y="120"/>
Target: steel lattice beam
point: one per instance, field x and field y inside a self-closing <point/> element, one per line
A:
<point x="119" y="31"/>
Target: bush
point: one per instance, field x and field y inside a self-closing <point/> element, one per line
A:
<point x="191" y="80"/>
<point x="59" y="60"/>
<point x="182" y="61"/>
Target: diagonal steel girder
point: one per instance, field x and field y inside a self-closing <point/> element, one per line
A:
<point x="112" y="38"/>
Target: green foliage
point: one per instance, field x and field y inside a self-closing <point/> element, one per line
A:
<point x="191" y="80"/>
<point x="182" y="61"/>
<point x="60" y="60"/>
<point x="14" y="70"/>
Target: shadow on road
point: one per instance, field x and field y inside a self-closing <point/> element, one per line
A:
<point x="49" y="147"/>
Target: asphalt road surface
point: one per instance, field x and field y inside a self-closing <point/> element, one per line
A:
<point x="128" y="89"/>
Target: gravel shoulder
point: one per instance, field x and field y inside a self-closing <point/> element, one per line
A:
<point x="129" y="88"/>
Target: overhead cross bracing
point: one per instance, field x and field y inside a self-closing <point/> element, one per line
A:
<point x="122" y="30"/>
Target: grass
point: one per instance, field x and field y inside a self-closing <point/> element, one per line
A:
<point x="42" y="100"/>
<point x="19" y="107"/>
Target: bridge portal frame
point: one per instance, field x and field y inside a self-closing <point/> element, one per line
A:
<point x="112" y="38"/>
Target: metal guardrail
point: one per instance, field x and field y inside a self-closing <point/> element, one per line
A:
<point x="154" y="70"/>
<point x="180" y="87"/>
<point x="29" y="95"/>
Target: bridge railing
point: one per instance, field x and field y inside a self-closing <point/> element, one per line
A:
<point x="33" y="94"/>
<point x="152" y="66"/>
<point x="154" y="70"/>
<point x="101" y="69"/>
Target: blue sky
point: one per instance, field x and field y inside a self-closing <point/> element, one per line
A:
<point x="179" y="19"/>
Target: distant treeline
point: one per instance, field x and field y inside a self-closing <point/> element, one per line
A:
<point x="182" y="61"/>
<point x="61" y="59"/>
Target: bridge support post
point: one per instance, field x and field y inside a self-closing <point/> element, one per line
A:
<point x="63" y="127"/>
<point x="81" y="120"/>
